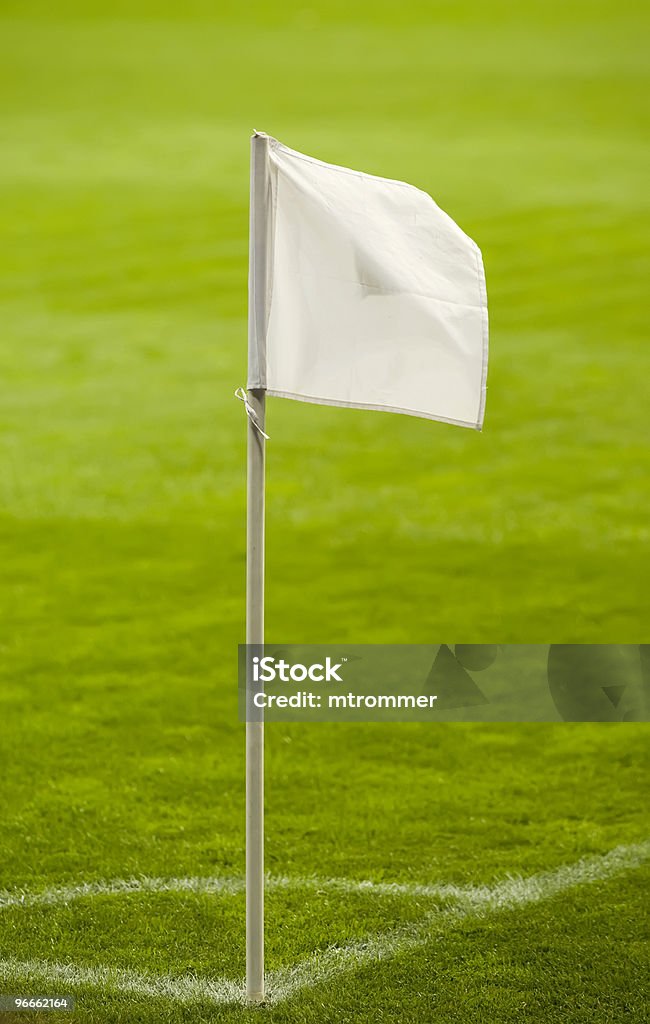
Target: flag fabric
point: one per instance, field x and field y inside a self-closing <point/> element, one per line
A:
<point x="372" y="298"/>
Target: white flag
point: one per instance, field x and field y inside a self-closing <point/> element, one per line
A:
<point x="363" y="292"/>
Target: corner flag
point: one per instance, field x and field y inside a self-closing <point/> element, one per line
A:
<point x="372" y="296"/>
<point x="362" y="293"/>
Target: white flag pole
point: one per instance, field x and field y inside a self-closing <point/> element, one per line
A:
<point x="255" y="730"/>
<point x="256" y="444"/>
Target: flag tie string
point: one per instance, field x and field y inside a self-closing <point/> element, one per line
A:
<point x="250" y="412"/>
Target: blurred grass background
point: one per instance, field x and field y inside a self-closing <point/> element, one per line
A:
<point x="124" y="173"/>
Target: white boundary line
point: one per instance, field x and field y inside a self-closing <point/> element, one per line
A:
<point x="466" y="902"/>
<point x="117" y="980"/>
<point x="478" y="902"/>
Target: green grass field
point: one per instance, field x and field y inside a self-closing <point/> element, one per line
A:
<point x="124" y="184"/>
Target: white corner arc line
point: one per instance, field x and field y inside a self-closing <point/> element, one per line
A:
<point x="120" y="887"/>
<point x="231" y="886"/>
<point x="466" y="902"/>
